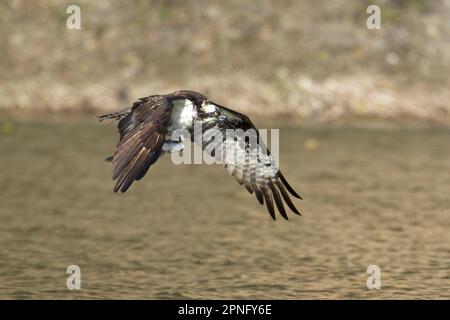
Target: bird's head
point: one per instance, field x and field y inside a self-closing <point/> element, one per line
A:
<point x="206" y="110"/>
<point x="212" y="110"/>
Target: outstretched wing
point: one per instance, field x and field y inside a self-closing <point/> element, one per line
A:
<point x="251" y="163"/>
<point x="142" y="135"/>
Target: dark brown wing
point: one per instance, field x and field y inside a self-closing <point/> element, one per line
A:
<point x="142" y="134"/>
<point x="255" y="168"/>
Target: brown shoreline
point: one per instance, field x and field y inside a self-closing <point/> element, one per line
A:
<point x="403" y="120"/>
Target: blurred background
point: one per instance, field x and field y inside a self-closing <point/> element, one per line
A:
<point x="364" y="138"/>
<point x="303" y="59"/>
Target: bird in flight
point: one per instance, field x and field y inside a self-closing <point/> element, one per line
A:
<point x="145" y="130"/>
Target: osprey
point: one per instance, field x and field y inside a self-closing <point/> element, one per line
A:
<point x="145" y="131"/>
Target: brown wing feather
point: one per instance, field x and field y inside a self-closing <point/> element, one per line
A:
<point x="268" y="184"/>
<point x="257" y="172"/>
<point x="142" y="135"/>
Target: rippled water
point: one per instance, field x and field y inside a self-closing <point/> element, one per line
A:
<point x="372" y="196"/>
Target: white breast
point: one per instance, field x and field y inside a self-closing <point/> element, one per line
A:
<point x="182" y="114"/>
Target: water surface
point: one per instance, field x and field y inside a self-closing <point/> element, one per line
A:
<point x="371" y="196"/>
